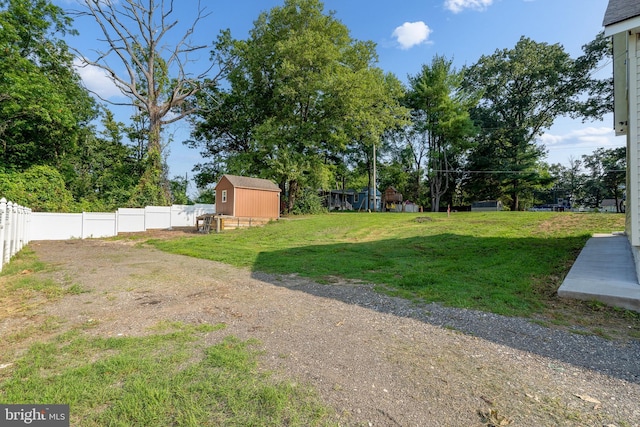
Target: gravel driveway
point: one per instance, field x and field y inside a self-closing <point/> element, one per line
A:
<point x="377" y="360"/>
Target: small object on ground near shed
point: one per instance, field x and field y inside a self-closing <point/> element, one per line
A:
<point x="423" y="218"/>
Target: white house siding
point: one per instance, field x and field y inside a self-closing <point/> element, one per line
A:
<point x="633" y="138"/>
<point x="633" y="148"/>
<point x="622" y="23"/>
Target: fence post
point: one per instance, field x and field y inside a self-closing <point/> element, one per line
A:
<point x="20" y="228"/>
<point x="9" y="233"/>
<point x="24" y="227"/>
<point x="13" y="227"/>
<point x="27" y="225"/>
<point x="16" y="228"/>
<point x="3" y="226"/>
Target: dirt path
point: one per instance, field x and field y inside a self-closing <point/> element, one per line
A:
<point x="374" y="368"/>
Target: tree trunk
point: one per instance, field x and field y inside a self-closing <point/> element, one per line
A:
<point x="514" y="201"/>
<point x="435" y="183"/>
<point x="435" y="202"/>
<point x="293" y="191"/>
<point x="368" y="189"/>
<point x="152" y="189"/>
<point x="343" y="204"/>
<point x="418" y="181"/>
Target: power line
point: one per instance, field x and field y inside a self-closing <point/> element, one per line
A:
<point x="481" y="172"/>
<point x="580" y="147"/>
<point x="504" y="171"/>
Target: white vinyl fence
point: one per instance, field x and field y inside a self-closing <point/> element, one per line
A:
<point x="64" y="226"/>
<point x="14" y="229"/>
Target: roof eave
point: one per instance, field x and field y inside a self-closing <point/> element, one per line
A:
<point x="236" y="182"/>
<point x="632" y="24"/>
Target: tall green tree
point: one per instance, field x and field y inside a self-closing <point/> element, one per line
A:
<point x="597" y="96"/>
<point x="567" y="180"/>
<point x="302" y="89"/>
<point x="524" y="90"/>
<point x="42" y="103"/>
<point x="394" y="171"/>
<point x="440" y="111"/>
<point x="104" y="170"/>
<point x="605" y="177"/>
<point x="179" y="186"/>
<point x="410" y="151"/>
<point x="373" y="109"/>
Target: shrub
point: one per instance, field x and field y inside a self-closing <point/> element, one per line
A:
<point x="309" y="202"/>
<point x="40" y="188"/>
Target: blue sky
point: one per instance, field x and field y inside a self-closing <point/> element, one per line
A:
<point x="408" y="33"/>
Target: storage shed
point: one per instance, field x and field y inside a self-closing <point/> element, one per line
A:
<point x="245" y="197"/>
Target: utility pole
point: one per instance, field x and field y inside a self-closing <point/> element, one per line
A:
<point x="375" y="187"/>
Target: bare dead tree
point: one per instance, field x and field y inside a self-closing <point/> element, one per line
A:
<point x="156" y="76"/>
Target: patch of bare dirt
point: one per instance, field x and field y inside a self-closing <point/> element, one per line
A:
<point x="374" y="368"/>
<point x="558" y="223"/>
<point x="167" y="233"/>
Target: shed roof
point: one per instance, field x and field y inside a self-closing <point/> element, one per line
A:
<point x="251" y="183"/>
<point x="621" y="10"/>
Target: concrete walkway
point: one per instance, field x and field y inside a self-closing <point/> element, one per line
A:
<point x="604" y="271"/>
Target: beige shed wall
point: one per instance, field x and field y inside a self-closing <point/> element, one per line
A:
<point x="257" y="203"/>
<point x="247" y="202"/>
<point x="227" y="207"/>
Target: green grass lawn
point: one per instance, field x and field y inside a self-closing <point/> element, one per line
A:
<point x="507" y="263"/>
<point x="165" y="379"/>
<point x="504" y="262"/>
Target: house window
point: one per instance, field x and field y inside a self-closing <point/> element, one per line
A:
<point x="224" y="196"/>
<point x="356" y="198"/>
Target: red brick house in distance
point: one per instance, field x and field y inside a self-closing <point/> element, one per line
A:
<point x="244" y="197"/>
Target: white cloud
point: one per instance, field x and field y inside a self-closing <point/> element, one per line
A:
<point x="96" y="80"/>
<point x="457" y="6"/>
<point x="411" y="34"/>
<point x="578" y="142"/>
<point x="592" y="136"/>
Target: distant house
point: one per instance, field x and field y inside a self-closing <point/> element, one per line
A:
<point x="244" y="197"/>
<point x="341" y="200"/>
<point x="622" y="23"/>
<point x="352" y="200"/>
<point x="486" y="206"/>
<point x="363" y="202"/>
<point x="609" y="205"/>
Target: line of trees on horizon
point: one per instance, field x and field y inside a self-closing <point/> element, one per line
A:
<point x="299" y="101"/>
